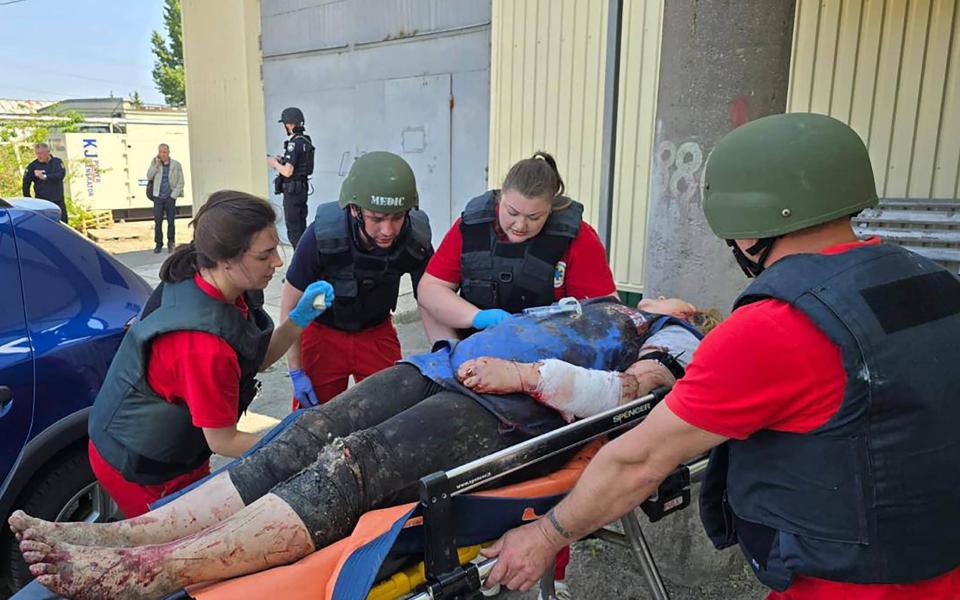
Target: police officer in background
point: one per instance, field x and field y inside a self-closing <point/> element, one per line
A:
<point x="362" y="245"/>
<point x="293" y="169"/>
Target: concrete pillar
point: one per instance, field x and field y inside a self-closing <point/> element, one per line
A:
<point x="722" y="63"/>
<point x="221" y="62"/>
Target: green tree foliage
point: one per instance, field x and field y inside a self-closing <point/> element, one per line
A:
<point x="168" y="53"/>
<point x="17" y="137"/>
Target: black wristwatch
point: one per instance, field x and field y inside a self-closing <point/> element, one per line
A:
<point x="667" y="360"/>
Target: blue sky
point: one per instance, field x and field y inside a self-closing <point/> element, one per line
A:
<point x="56" y="49"/>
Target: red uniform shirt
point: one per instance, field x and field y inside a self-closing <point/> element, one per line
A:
<point x="769" y="367"/>
<point x="198" y="369"/>
<point x="195" y="368"/>
<point x="582" y="272"/>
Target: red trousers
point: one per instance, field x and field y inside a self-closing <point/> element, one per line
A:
<point x="329" y="356"/>
<point x="133" y="498"/>
<point x="560" y="564"/>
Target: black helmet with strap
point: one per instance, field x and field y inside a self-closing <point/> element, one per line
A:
<point x="291" y="115"/>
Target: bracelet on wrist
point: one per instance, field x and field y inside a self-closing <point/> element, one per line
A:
<point x="560" y="529"/>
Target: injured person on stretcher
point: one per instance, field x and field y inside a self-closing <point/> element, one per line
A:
<point x="307" y="487"/>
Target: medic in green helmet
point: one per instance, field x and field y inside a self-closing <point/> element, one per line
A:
<point x="828" y="397"/>
<point x="362" y="245"/>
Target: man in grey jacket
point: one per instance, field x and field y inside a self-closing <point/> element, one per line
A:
<point x="165" y="175"/>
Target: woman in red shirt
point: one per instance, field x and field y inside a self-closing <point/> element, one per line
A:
<point x="186" y="371"/>
<point x="521" y="246"/>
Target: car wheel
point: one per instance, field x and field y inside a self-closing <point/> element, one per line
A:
<point x="65" y="490"/>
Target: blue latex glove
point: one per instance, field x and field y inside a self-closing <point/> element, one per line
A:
<point x="303" y="388"/>
<point x="489" y="318"/>
<point x="304" y="311"/>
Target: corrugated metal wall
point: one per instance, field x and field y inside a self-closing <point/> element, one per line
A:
<point x="891" y="69"/>
<point x="547" y="83"/>
<point x="639" y="81"/>
<point x="546" y="89"/>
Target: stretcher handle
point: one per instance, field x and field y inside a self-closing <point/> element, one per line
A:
<point x="483" y="569"/>
<point x="503" y="462"/>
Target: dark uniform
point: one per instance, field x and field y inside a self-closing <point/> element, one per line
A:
<point x="50" y="188"/>
<point x="512" y="276"/>
<point x="298" y="151"/>
<point x="149" y="440"/>
<point x="863" y="502"/>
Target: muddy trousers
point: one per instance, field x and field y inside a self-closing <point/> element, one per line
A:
<point x="367" y="448"/>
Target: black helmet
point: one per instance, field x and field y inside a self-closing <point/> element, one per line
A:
<point x="292" y="115"/>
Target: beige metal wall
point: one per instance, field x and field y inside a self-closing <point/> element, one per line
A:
<point x="546" y="89"/>
<point x="547" y="82"/>
<point x="224" y="96"/>
<point x="639" y="81"/>
<point x="891" y="69"/>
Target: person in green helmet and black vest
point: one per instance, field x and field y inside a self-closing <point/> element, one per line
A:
<point x="829" y="396"/>
<point x="186" y="371"/>
<point x="362" y="245"/>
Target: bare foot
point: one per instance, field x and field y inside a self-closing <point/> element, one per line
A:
<point x="89" y="573"/>
<point x="25" y="527"/>
<point x="214" y="501"/>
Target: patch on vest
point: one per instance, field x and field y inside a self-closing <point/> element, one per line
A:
<point x="387" y="200"/>
<point x="560" y="274"/>
<point x="930" y="297"/>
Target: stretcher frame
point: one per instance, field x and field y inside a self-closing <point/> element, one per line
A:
<point x="447" y="579"/>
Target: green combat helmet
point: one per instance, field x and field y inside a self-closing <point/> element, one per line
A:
<point x="382" y="182"/>
<point x="784" y="173"/>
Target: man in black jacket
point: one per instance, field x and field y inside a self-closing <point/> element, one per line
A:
<point x="46" y="174"/>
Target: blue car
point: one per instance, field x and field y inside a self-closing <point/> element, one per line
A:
<point x="64" y="307"/>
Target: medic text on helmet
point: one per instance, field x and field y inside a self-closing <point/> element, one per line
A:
<point x="387" y="200"/>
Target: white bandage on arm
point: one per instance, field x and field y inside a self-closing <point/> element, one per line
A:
<point x="575" y="390"/>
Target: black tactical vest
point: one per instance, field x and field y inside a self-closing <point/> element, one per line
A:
<point x="499" y="274"/>
<point x="146" y="438"/>
<point x="303" y="168"/>
<point x="366" y="283"/>
<point x="871" y="496"/>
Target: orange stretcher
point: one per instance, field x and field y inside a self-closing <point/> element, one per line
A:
<point x="446" y="527"/>
<point x="441" y="532"/>
<point x="313" y="577"/>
